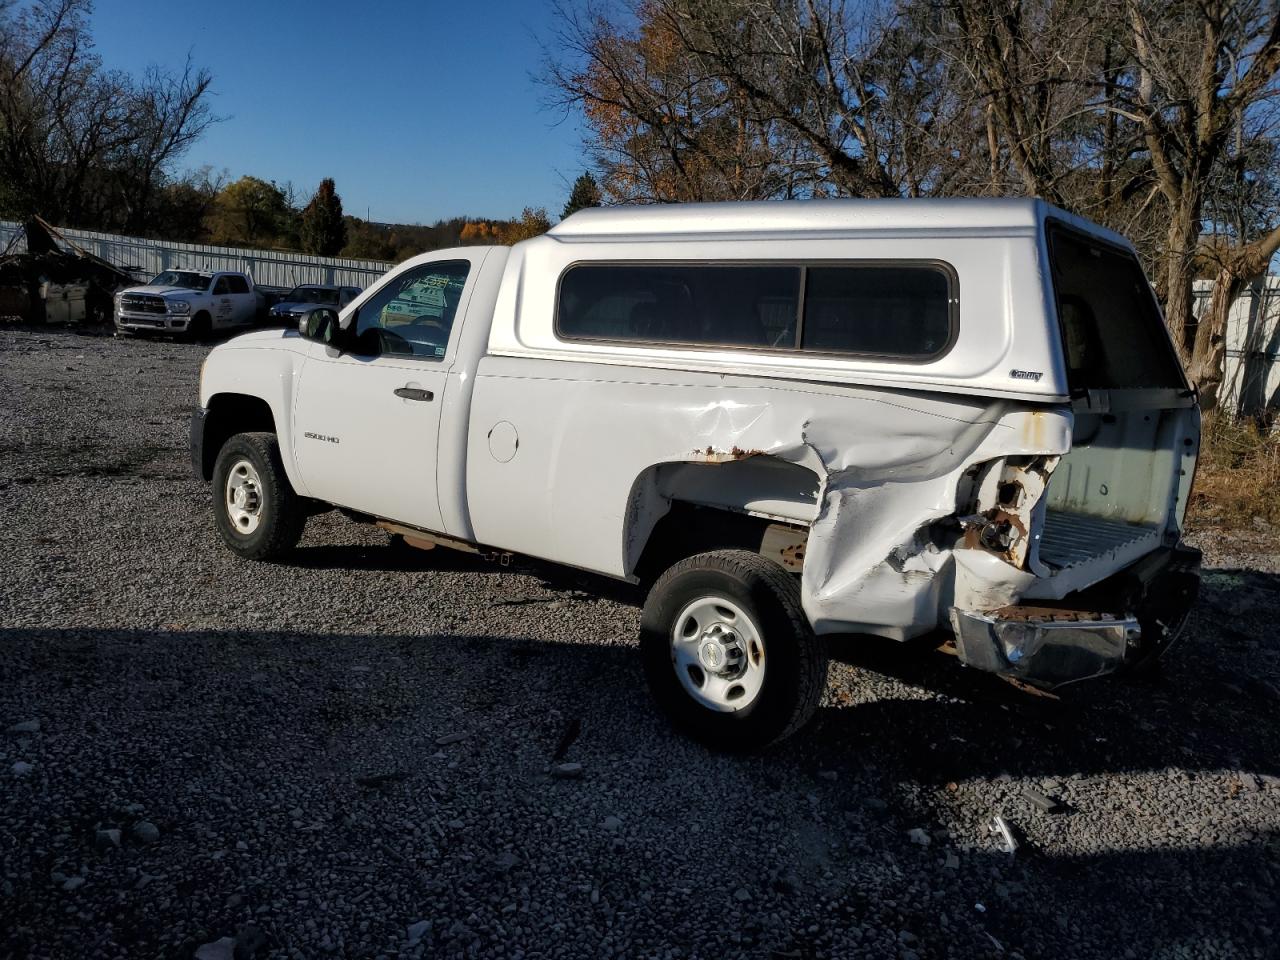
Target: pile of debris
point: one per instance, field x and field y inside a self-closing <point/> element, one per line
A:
<point x="55" y="280"/>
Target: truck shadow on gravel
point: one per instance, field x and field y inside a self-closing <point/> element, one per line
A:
<point x="207" y="732"/>
<point x="394" y="558"/>
<point x="1213" y="702"/>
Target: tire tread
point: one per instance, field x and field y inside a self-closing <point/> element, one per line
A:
<point x="288" y="516"/>
<point x="809" y="651"/>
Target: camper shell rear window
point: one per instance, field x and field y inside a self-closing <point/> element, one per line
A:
<point x="1113" y="336"/>
<point x="902" y="310"/>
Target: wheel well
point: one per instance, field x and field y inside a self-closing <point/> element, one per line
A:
<point x="229" y="414"/>
<point x="691" y="528"/>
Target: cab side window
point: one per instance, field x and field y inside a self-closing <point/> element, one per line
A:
<point x="221" y="286"/>
<point x="413" y="314"/>
<point x="237" y="284"/>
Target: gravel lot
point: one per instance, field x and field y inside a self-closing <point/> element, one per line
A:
<point x="354" y="754"/>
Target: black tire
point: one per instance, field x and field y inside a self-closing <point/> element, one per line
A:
<point x="200" y="328"/>
<point x="282" y="513"/>
<point x="796" y="665"/>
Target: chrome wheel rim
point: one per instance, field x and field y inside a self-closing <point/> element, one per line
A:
<point x="243" y="497"/>
<point x="718" y="654"/>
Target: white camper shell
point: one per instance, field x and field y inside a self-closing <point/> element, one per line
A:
<point x="791" y="419"/>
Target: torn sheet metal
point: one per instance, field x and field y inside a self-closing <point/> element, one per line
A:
<point x="872" y="565"/>
<point x="871" y="562"/>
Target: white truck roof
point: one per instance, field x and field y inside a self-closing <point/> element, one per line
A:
<point x="978" y="216"/>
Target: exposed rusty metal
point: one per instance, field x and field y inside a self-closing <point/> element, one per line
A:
<point x="1007" y="495"/>
<point x="1025" y="687"/>
<point x="425" y="540"/>
<point x="712" y="455"/>
<point x="786" y="545"/>
<point x="1041" y="614"/>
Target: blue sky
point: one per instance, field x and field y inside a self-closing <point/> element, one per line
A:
<point x="418" y="111"/>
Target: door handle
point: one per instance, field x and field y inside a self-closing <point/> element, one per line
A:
<point x="413" y="393"/>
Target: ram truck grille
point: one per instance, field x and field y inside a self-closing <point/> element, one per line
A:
<point x="142" y="303"/>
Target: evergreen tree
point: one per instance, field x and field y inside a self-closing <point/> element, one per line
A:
<point x="586" y="193"/>
<point x="324" y="231"/>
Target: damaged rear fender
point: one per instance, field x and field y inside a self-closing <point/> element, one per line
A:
<point x="882" y="495"/>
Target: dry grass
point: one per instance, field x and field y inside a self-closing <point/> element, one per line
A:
<point x="1239" y="475"/>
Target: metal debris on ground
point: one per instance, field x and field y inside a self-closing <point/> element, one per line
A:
<point x="1004" y="830"/>
<point x="1042" y="802"/>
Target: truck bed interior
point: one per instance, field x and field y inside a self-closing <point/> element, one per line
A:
<point x="1122" y="488"/>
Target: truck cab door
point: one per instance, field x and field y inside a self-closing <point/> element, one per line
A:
<point x="367" y="411"/>
<point x="244" y="300"/>
<point x="223" y="308"/>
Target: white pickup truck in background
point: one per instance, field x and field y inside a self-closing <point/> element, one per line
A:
<point x="193" y="302"/>
<point x="788" y="422"/>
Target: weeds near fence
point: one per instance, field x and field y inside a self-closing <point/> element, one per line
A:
<point x="1238" y="482"/>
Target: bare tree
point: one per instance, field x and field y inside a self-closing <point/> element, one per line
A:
<point x="1125" y="110"/>
<point x="79" y="143"/>
<point x="747" y="99"/>
<point x="665" y="126"/>
<point x="168" y="113"/>
<point x="1203" y="70"/>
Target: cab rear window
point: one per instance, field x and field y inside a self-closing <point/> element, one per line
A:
<point x="1112" y="334"/>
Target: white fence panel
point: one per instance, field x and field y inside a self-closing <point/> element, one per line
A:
<point x="269" y="268"/>
<point x="1251" y="374"/>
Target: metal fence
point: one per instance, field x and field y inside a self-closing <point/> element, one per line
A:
<point x="269" y="268"/>
<point x="1251" y="374"/>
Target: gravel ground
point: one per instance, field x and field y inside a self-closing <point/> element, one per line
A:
<point x="356" y="753"/>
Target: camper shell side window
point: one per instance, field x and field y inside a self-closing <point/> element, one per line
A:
<point x="902" y="310"/>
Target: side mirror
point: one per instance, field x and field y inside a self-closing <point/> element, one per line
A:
<point x="319" y="324"/>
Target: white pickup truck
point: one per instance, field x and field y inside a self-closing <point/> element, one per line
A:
<point x="194" y="302"/>
<point x="789" y="422"/>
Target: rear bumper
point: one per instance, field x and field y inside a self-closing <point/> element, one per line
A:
<point x="1133" y="616"/>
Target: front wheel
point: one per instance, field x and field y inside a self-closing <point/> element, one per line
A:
<point x="200" y="329"/>
<point x="256" y="510"/>
<point x="728" y="652"/>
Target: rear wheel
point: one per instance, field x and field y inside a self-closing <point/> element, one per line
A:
<point x="728" y="653"/>
<point x="256" y="510"/>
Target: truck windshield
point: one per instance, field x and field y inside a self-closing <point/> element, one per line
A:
<point x="182" y="278"/>
<point x="312" y="295"/>
<point x="1112" y="332"/>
